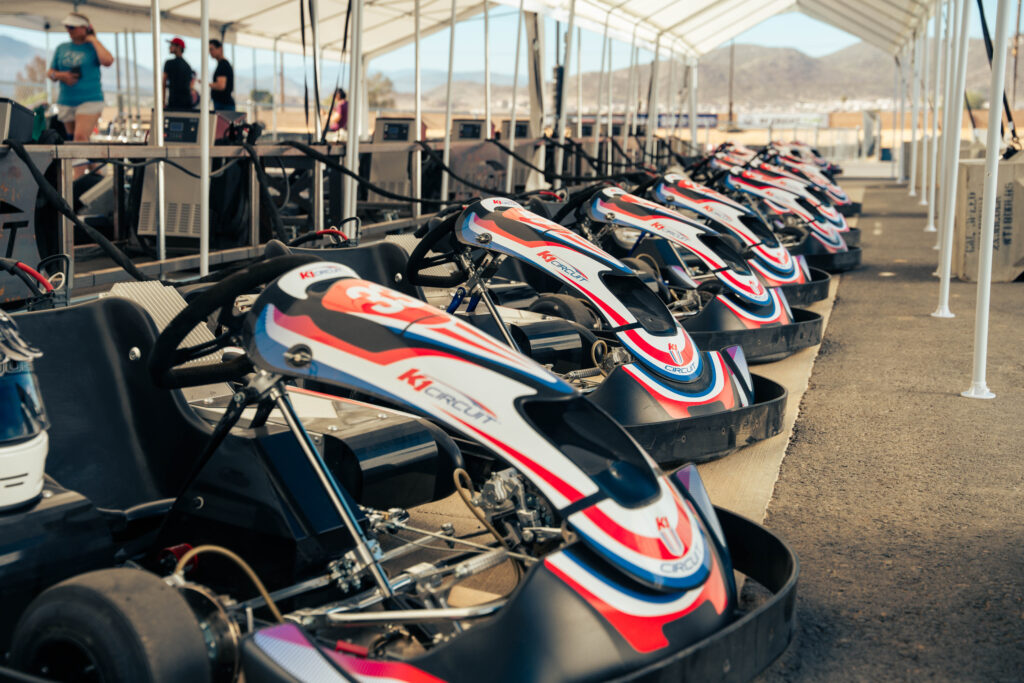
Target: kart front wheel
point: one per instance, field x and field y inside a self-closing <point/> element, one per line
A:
<point x="111" y="625"/>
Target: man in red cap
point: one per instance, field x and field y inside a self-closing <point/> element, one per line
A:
<point x="178" y="79"/>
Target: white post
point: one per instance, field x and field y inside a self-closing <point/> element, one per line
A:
<point x="355" y="91"/>
<point x="204" y="140"/>
<point x="693" y="105"/>
<point x="952" y="164"/>
<point x="156" y="127"/>
<point x="629" y="123"/>
<point x="579" y="84"/>
<point x="252" y="90"/>
<point x="652" y="101"/>
<point x="49" y="58"/>
<point x="118" y="66"/>
<point x="894" y="156"/>
<point x="949" y="61"/>
<point x="446" y="158"/>
<point x="560" y="151"/>
<point x="902" y="114"/>
<point x="487" y="73"/>
<point x="278" y="98"/>
<point x="669" y="109"/>
<point x="417" y="119"/>
<point x="915" y="101"/>
<point x="515" y="92"/>
<point x="608" y="105"/>
<point x="939" y="57"/>
<point x="600" y="85"/>
<point x="979" y="388"/>
<point x="318" y="168"/>
<point x="138" y="95"/>
<point x="925" y="79"/>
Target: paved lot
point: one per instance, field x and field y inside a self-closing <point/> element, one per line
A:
<point x="902" y="499"/>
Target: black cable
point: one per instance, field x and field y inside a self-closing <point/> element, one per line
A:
<point x="331" y="163"/>
<point x="264" y="189"/>
<point x="517" y="157"/>
<point x="150" y="162"/>
<point x="51" y="194"/>
<point x="439" y="160"/>
<point x="287" y="183"/>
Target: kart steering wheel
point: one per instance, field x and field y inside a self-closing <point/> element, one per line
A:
<point x="165" y="356"/>
<point x="419" y="261"/>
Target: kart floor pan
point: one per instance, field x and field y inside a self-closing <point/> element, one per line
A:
<point x="699" y="439"/>
<point x="851" y="237"/>
<point x="837" y="262"/>
<point x="765" y="344"/>
<point x="808" y="292"/>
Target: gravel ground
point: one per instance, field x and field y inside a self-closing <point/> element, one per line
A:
<point x="902" y="499"/>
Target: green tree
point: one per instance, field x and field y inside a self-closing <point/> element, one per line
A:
<point x="379" y="91"/>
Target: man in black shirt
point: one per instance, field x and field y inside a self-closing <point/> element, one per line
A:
<point x="223" y="79"/>
<point x="178" y="78"/>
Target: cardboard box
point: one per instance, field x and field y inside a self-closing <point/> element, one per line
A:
<point x="1008" y="240"/>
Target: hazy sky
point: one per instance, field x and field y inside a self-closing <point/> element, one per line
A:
<point x="786" y="30"/>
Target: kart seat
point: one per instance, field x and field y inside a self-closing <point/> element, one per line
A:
<point x="381" y="262"/>
<point x="115" y="437"/>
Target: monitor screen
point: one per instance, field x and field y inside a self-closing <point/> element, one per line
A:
<point x="469" y="131"/>
<point x="175" y="126"/>
<point x="396" y="131"/>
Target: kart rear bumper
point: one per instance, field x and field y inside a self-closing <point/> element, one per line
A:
<point x="806" y="293"/>
<point x="673" y="443"/>
<point x="765" y="344"/>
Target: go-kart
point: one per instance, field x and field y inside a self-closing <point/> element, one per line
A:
<point x="813" y="233"/>
<point x="680" y="403"/>
<point x="704" y="280"/>
<point x="250" y="549"/>
<point x="766" y="255"/>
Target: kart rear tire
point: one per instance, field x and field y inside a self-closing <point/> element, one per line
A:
<point x="109" y="626"/>
<point x="567" y="307"/>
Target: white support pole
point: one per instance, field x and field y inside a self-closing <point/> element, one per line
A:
<point x="608" y="105"/>
<point x="135" y="69"/>
<point x="579" y="83"/>
<point x="693" y="103"/>
<point x="566" y="64"/>
<point x="278" y="98"/>
<point x="487" y="72"/>
<point x="938" y="57"/>
<point x="925" y="81"/>
<point x="417" y="122"/>
<point x="318" y="168"/>
<point x="355" y="91"/>
<point x="252" y="90"/>
<point x="204" y="141"/>
<point x="515" y="93"/>
<point x="979" y="387"/>
<point x="952" y="163"/>
<point x="629" y="124"/>
<point x="669" y="109"/>
<point x="915" y="102"/>
<point x="156" y="128"/>
<point x="902" y="115"/>
<point x="596" y="130"/>
<point x="894" y="156"/>
<point x="49" y="58"/>
<point x="117" y="72"/>
<point x="949" y="62"/>
<point x="652" y="101"/>
<point x="446" y="157"/>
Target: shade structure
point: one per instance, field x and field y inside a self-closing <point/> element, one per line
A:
<point x="693" y="27"/>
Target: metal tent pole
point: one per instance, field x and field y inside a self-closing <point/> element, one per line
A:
<point x="952" y="164"/>
<point x="49" y="58"/>
<point x="417" y="156"/>
<point x="979" y="388"/>
<point x="204" y="141"/>
<point x="693" y="102"/>
<point x="156" y="128"/>
<point x="629" y="124"/>
<point x="560" y="150"/>
<point x="902" y="114"/>
<point x="596" y="130"/>
<point x="579" y="83"/>
<point x="515" y="92"/>
<point x="608" y="105"/>
<point x="135" y="69"/>
<point x="669" y="109"/>
<point x="938" y="57"/>
<point x="925" y="81"/>
<point x="448" y="105"/>
<point x="652" y="100"/>
<point x="949" y="59"/>
<point x="278" y="99"/>
<point x="355" y="91"/>
<point x="894" y="156"/>
<point x="117" y="73"/>
<point x="318" y="168"/>
<point x="915" y="103"/>
<point x="487" y="73"/>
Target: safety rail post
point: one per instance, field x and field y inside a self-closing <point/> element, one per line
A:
<point x="979" y="387"/>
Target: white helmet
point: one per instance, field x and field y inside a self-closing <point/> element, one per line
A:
<point x="23" y="423"/>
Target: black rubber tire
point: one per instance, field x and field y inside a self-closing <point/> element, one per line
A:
<point x="127" y="623"/>
<point x="568" y="307"/>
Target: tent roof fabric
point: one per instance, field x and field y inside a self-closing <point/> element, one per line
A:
<point x="683" y="27"/>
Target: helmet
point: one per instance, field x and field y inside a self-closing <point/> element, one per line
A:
<point x="23" y="422"/>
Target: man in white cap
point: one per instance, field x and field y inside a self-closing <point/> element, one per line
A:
<point x="76" y="66"/>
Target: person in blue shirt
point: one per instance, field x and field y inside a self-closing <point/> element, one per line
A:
<point x="76" y="66"/>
